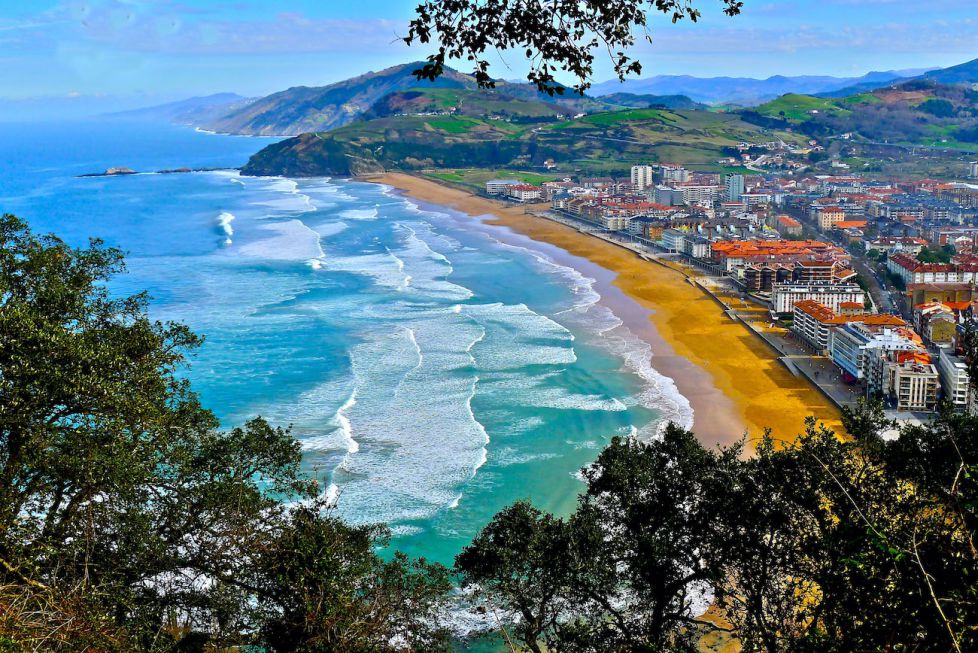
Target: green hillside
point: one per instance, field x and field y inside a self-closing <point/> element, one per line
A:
<point x="918" y="112"/>
<point x="797" y="109"/>
<point x="646" y="101"/>
<point x="604" y="141"/>
<point x="464" y="102"/>
<point x="320" y="108"/>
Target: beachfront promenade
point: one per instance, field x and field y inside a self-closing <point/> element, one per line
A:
<point x="793" y="353"/>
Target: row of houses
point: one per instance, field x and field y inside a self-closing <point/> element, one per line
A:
<point x="879" y="350"/>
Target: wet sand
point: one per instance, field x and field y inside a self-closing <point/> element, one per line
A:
<point x="732" y="379"/>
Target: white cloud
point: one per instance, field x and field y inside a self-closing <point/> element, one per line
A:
<point x="165" y="27"/>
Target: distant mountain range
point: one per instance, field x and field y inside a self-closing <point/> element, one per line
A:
<point x="744" y="91"/>
<point x="320" y="108"/>
<point x="396" y="91"/>
<point x="964" y="73"/>
<point x="192" y="111"/>
<point x="385" y="93"/>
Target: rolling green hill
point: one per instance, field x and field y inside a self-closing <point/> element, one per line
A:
<point x="463" y="102"/>
<point x="645" y="101"/>
<point x="603" y="141"/>
<point x="797" y="109"/>
<point x="918" y="112"/>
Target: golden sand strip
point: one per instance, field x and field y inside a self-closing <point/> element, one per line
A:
<point x="732" y="379"/>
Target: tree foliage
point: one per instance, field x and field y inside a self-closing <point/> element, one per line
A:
<point x="826" y="545"/>
<point x="554" y="35"/>
<point x="128" y="517"/>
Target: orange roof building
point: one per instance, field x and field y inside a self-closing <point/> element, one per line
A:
<point x="813" y="322"/>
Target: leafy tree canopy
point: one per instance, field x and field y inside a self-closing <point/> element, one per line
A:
<point x="824" y="545"/>
<point x="554" y="35"/>
<point x="128" y="519"/>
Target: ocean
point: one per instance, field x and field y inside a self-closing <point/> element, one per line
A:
<point x="434" y="367"/>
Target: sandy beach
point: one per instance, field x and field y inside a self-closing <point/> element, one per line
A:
<point x="731" y="378"/>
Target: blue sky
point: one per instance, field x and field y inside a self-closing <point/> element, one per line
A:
<point x="139" y="51"/>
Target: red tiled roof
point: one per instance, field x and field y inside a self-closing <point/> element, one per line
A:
<point x="826" y="315"/>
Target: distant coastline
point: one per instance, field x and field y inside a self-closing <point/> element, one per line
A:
<point x="732" y="380"/>
<point x="124" y="172"/>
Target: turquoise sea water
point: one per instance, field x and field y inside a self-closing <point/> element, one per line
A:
<point x="434" y="368"/>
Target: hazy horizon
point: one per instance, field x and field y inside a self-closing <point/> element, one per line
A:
<point x="107" y="55"/>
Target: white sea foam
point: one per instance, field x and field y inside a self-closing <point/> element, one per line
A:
<point x="520" y="337"/>
<point x="659" y="392"/>
<point x="288" y="199"/>
<point x="352" y="446"/>
<point x="224" y="221"/>
<point x="509" y="456"/>
<point x="328" y="229"/>
<point x="289" y="240"/>
<point x="401" y="434"/>
<point x="385" y="269"/>
<point x="421" y="438"/>
<point x="233" y="176"/>
<point x="359" y="214"/>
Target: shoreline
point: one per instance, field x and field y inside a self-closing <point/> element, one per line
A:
<point x="732" y="380"/>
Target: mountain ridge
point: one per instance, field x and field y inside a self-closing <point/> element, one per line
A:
<point x="742" y="90"/>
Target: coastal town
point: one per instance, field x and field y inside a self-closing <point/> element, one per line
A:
<point x="873" y="283"/>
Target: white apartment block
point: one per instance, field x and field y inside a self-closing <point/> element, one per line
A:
<point x="913" y="271"/>
<point x="954" y="379"/>
<point x="700" y="195"/>
<point x="500" y="186"/>
<point x="915" y="386"/>
<point x="671" y="173"/>
<point x="785" y="295"/>
<point x="642" y="177"/>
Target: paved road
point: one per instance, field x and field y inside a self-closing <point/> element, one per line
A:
<point x="881" y="297"/>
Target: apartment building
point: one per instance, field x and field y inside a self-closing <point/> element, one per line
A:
<point x="673" y="173"/>
<point x="897" y="245"/>
<point x="643" y="177"/>
<point x="915" y="386"/>
<point x="853" y="344"/>
<point x="955" y="382"/>
<point x="524" y="192"/>
<point x="500" y="186"/>
<point x="815" y="322"/>
<point x="831" y="295"/>
<point x="735" y="187"/>
<point x="828" y="216"/>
